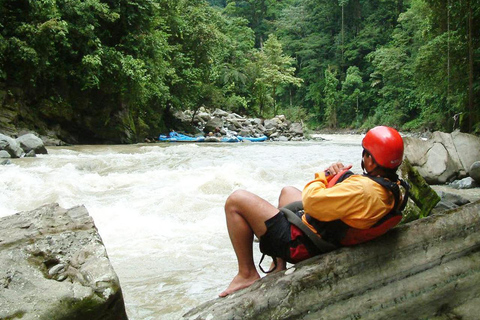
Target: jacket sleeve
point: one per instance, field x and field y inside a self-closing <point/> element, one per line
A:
<point x="334" y="203"/>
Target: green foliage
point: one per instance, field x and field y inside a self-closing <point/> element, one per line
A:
<point x="330" y="99"/>
<point x="351" y="95"/>
<point x="275" y="70"/>
<point x="260" y="15"/>
<point x="115" y="67"/>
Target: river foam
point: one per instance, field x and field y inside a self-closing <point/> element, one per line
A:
<point x="159" y="207"/>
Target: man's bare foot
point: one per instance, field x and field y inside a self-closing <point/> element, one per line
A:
<point x="239" y="282"/>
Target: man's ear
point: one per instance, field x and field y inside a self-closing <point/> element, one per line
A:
<point x="370" y="163"/>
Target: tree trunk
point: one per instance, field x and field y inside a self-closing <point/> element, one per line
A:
<point x="470" y="68"/>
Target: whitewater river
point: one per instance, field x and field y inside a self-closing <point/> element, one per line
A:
<point x="159" y="207"/>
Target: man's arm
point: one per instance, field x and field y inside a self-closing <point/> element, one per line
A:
<point x="327" y="204"/>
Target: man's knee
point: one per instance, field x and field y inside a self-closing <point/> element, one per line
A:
<point x="290" y="192"/>
<point x="236" y="197"/>
<point x="287" y="190"/>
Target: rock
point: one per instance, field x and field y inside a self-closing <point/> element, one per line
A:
<point x="11" y="146"/>
<point x="220" y="113"/>
<point x="426" y="269"/>
<point x="30" y="154"/>
<point x="449" y="201"/>
<point x="421" y="194"/>
<point x="271" y="123"/>
<point x="474" y="171"/>
<point x="296" y="128"/>
<point x="465" y="183"/>
<point x="53" y="265"/>
<point x="212" y="124"/>
<point x="246" y="132"/>
<point x="4" y="154"/>
<point x="29" y="142"/>
<point x="203" y="117"/>
<point x="232" y="124"/>
<point x="444" y="157"/>
<point x="467" y="147"/>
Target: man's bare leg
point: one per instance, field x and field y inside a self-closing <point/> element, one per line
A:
<point x="246" y="214"/>
<point x="287" y="195"/>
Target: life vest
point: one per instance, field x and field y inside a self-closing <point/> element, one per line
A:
<point x="340" y="234"/>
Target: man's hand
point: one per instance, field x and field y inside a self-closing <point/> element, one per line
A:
<point x="335" y="168"/>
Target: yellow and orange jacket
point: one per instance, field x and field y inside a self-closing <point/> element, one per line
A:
<point x="358" y="203"/>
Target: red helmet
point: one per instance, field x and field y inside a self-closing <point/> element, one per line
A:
<point x="385" y="145"/>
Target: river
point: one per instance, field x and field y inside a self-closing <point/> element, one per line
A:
<point x="159" y="207"/>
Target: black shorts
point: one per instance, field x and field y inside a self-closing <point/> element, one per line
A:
<point x="286" y="241"/>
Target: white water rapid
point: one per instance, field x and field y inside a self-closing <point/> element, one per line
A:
<point x="159" y="207"/>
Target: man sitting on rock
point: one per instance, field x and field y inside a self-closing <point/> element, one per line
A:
<point x="338" y="208"/>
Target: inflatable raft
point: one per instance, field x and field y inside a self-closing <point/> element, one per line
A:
<point x="178" y="137"/>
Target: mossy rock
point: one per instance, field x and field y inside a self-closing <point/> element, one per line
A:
<point x="422" y="197"/>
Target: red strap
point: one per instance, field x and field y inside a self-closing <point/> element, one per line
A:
<point x="356" y="236"/>
<point x="335" y="178"/>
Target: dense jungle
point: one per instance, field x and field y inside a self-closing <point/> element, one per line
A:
<point x="115" y="71"/>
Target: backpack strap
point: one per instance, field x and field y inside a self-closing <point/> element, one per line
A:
<point x="394" y="187"/>
<point x="321" y="244"/>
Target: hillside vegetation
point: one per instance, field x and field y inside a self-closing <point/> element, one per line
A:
<point x="96" y="71"/>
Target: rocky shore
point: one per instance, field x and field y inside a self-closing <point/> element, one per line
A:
<point x="220" y="123"/>
<point x="28" y="145"/>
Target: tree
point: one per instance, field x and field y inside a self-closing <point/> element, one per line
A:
<point x="276" y="69"/>
<point x="452" y="40"/>
<point x="259" y="13"/>
<point x="330" y="98"/>
<point x="352" y="90"/>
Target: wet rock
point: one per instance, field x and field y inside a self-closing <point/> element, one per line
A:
<point x="53" y="265"/>
<point x="30" y="142"/>
<point x="4" y="154"/>
<point x="426" y="269"/>
<point x="474" y="171"/>
<point x="465" y="183"/>
<point x="449" y="201"/>
<point x="11" y="146"/>
<point x="422" y="198"/>
<point x="212" y="124"/>
<point x="444" y="157"/>
<point x="27" y="145"/>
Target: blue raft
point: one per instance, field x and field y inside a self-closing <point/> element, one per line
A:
<point x="178" y="137"/>
<point x="253" y="139"/>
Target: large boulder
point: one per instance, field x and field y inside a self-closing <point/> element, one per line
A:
<point x="474" y="171"/>
<point x="30" y="142"/>
<point x="426" y="269"/>
<point x="444" y="157"/>
<point x="11" y="146"/>
<point x="468" y="148"/>
<point x="213" y="124"/>
<point x="53" y="265"/>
